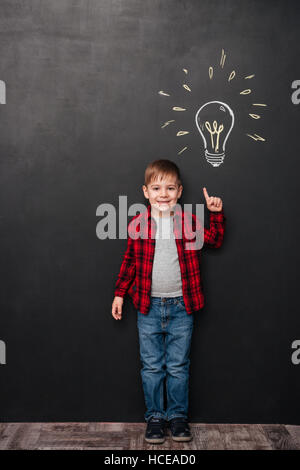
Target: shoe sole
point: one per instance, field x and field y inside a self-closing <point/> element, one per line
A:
<point x="182" y="439"/>
<point x="154" y="441"/>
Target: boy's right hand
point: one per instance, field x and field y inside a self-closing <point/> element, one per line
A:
<point x="117" y="308"/>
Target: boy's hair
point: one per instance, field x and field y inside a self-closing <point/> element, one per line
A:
<point x="163" y="168"/>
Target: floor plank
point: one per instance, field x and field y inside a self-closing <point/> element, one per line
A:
<point x="7" y="432"/>
<point x="206" y="437"/>
<point x="295" y="433"/>
<point x="130" y="436"/>
<point x="279" y="437"/>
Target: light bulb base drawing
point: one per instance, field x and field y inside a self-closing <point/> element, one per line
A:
<point x="213" y="159"/>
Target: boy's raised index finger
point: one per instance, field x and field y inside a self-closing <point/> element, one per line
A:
<point x="205" y="193"/>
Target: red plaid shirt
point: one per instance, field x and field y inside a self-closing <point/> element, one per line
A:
<point x="135" y="275"/>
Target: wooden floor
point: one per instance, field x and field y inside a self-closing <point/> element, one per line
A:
<point x="124" y="436"/>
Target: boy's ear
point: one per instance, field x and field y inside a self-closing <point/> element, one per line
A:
<point x="145" y="191"/>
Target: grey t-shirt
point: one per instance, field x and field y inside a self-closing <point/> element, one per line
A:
<point x="166" y="275"/>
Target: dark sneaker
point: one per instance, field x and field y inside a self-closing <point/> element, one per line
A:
<point x="155" y="432"/>
<point x="180" y="430"/>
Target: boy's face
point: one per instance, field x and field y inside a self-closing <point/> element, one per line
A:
<point x="163" y="193"/>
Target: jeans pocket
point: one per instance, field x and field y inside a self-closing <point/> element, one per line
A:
<point x="180" y="302"/>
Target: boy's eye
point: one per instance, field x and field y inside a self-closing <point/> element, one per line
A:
<point x="172" y="189"/>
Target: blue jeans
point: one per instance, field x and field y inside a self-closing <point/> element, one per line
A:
<point x="165" y="339"/>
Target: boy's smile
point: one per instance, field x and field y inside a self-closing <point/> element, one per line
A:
<point x="163" y="194"/>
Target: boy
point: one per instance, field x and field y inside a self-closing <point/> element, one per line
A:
<point x="163" y="278"/>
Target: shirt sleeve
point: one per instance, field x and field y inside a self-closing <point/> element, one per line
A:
<point x="127" y="270"/>
<point x="213" y="237"/>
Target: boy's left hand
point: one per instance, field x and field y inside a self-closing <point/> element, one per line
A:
<point x="214" y="204"/>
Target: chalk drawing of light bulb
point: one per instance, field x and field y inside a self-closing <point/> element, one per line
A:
<point x="214" y="121"/>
